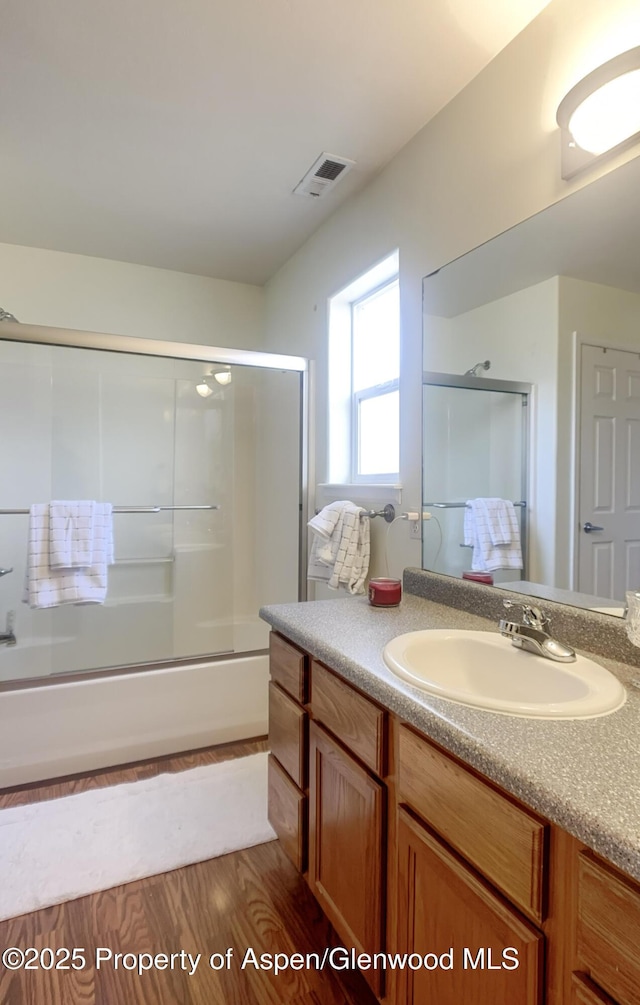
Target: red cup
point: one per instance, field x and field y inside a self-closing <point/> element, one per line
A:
<point x="385" y="592"/>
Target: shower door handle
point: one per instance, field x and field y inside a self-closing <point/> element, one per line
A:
<point x="589" y="528"/>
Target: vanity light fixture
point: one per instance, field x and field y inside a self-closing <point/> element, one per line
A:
<point x="601" y="114"/>
<point x="223" y="376"/>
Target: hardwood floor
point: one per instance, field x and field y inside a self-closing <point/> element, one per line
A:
<point x="249" y="900"/>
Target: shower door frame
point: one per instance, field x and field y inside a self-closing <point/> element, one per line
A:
<point x="131" y="345"/>
<point x="431" y="378"/>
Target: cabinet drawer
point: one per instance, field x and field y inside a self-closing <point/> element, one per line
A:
<point x="287" y="731"/>
<point x="287" y="666"/>
<point x="503" y="840"/>
<point x="585" y="992"/>
<point x="358" y="723"/>
<point x="609" y="928"/>
<point x="287" y="814"/>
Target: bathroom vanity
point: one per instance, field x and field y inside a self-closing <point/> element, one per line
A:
<point x="504" y="851"/>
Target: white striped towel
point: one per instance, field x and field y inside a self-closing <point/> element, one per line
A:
<point x="341" y="547"/>
<point x="47" y="587"/>
<point x="491" y="529"/>
<point x="71" y="531"/>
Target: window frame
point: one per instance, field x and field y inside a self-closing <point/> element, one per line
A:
<point x="339" y="362"/>
<point x="367" y="393"/>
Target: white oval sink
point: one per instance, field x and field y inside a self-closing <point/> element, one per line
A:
<point x="484" y="670"/>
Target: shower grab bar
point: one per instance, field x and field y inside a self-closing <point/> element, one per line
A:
<point x="461" y="505"/>
<point x="126" y="509"/>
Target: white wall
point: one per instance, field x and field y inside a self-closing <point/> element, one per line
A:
<point x="96" y="294"/>
<point x="601" y="314"/>
<point x="487" y="161"/>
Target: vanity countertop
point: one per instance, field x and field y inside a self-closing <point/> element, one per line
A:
<point x="583" y="775"/>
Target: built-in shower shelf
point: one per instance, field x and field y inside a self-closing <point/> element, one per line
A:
<point x="141" y="581"/>
<point x="151" y="598"/>
<point x="205" y="546"/>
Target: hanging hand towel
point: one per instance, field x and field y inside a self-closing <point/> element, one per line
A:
<point x="46" y="587"/>
<point x="340" y="549"/>
<point x="71" y="529"/>
<point x="327" y="528"/>
<point x="491" y="529"/>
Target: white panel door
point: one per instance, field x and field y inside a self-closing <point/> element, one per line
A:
<point x="609" y="473"/>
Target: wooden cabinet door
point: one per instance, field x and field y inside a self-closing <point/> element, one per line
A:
<point x="444" y="908"/>
<point x="346" y="834"/>
<point x="609" y="928"/>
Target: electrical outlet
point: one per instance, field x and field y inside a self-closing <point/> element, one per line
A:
<point x="415" y="530"/>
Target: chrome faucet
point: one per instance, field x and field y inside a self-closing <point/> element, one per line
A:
<point x="533" y="634"/>
<point x="8" y="638"/>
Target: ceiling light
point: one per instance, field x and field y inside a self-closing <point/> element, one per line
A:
<point x="223" y="376"/>
<point x="203" y="389"/>
<point x="601" y="114"/>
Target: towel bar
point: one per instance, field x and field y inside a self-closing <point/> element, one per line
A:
<point x="126" y="509"/>
<point x="460" y="505"/>
<point x="388" y="512"/>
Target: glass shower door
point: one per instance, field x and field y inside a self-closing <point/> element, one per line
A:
<point x="204" y="477"/>
<point x="474" y="445"/>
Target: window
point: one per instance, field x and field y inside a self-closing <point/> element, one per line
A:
<point x="364" y="370"/>
<point x="375" y="369"/>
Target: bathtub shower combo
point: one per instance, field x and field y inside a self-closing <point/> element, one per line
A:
<point x="201" y="454"/>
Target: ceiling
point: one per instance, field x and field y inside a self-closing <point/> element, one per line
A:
<point x="172" y="132"/>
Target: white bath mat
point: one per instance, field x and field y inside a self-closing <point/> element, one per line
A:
<point x="65" y="848"/>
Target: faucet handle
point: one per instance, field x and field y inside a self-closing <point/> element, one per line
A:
<point x="5" y="572"/>
<point x="537" y="619"/>
<point x="531" y="616"/>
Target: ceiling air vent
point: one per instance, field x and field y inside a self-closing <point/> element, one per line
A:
<point x="325" y="174"/>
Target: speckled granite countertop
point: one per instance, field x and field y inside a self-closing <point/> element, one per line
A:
<point x="584" y="775"/>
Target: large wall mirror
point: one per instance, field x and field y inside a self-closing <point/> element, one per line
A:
<point x="553" y="303"/>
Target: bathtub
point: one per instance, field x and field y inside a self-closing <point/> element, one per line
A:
<point x="72" y="725"/>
